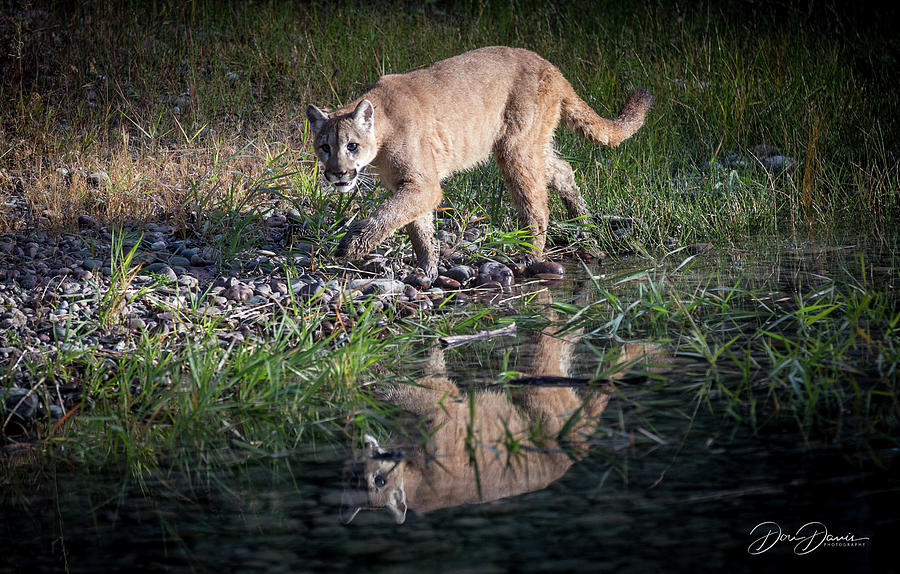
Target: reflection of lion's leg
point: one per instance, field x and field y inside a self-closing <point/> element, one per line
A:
<point x="435" y="363"/>
<point x="422" y="395"/>
<point x="552" y="407"/>
<point x="551" y="355"/>
<point x="559" y="412"/>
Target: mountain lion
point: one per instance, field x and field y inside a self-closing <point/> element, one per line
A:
<point x="418" y="128"/>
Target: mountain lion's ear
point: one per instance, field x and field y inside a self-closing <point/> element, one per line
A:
<point x="397" y="505"/>
<point x="364" y="115"/>
<point x="348" y="517"/>
<point x="316" y="117"/>
<point x="372" y="446"/>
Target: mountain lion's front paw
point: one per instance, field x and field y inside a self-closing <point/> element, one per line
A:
<point x="358" y="241"/>
<point x="430" y="270"/>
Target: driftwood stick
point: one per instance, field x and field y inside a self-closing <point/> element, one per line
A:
<point x="456" y="340"/>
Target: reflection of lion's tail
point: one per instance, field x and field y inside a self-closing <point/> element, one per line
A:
<point x="584" y="121"/>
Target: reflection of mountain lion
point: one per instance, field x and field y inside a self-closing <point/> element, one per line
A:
<point x="471" y="453"/>
<point x="418" y="128"/>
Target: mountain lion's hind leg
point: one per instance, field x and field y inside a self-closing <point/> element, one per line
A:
<point x="527" y="184"/>
<point x="561" y="178"/>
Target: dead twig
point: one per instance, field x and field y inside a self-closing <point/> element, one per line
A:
<point x="457" y="340"/>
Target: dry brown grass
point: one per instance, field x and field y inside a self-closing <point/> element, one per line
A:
<point x="115" y="131"/>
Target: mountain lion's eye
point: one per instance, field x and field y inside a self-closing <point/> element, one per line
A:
<point x="379" y="481"/>
<point x="325" y="148"/>
<point x="352" y="147"/>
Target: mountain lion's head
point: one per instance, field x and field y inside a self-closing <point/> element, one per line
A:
<point x="344" y="143"/>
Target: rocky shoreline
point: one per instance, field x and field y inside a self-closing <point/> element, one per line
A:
<point x="78" y="291"/>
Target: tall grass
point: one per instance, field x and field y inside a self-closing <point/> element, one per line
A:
<point x="167" y="406"/>
<point x="810" y="343"/>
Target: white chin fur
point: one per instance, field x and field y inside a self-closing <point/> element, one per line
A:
<point x="346" y="187"/>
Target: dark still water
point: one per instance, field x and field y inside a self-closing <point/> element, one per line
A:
<point x="514" y="454"/>
<point x="285" y="517"/>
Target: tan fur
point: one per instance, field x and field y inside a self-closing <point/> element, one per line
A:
<point x="469" y="455"/>
<point x="418" y="128"/>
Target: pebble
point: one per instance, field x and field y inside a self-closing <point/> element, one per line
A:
<point x="410" y="292"/>
<point x="483" y="281"/>
<point x="446" y="283"/>
<point x="276" y="220"/>
<point x="764" y="154"/>
<point x="224" y="282"/>
<point x="375" y="264"/>
<point x="418" y="279"/>
<point x="98" y="178"/>
<point x="546" y="268"/>
<point x="304" y="247"/>
<point x="20" y="403"/>
<point x="198" y="260"/>
<point x="496" y="272"/>
<point x="461" y="273"/>
<point x="311" y="290"/>
<point x="188" y="281"/>
<point x="179" y="261"/>
<point x="161" y="269"/>
<point x="451" y="255"/>
<point x="377" y="286"/>
<point x="239" y="292"/>
<point x="778" y="163"/>
<point x="445" y="236"/>
<point x="414" y="307"/>
<point x="13" y="319"/>
<point x="87" y="221"/>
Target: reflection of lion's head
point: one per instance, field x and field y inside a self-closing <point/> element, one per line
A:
<point x="375" y="483"/>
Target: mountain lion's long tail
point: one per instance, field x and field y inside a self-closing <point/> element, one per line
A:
<point x="584" y="121"/>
